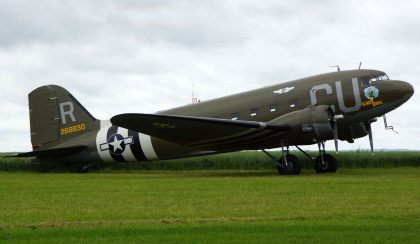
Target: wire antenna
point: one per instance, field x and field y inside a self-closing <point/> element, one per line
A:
<point x="338" y="67"/>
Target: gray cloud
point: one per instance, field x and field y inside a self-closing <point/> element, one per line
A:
<point x="143" y="56"/>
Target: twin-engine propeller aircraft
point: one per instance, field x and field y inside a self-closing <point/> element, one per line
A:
<point x="333" y="106"/>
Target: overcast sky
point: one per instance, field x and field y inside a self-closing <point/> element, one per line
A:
<point x="143" y="56"/>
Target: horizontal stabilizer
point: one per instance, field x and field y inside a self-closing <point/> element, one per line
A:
<point x="193" y="131"/>
<point x="54" y="152"/>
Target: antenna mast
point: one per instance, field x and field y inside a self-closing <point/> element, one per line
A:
<point x="194" y="100"/>
<point x="192" y="93"/>
<point x="338" y="67"/>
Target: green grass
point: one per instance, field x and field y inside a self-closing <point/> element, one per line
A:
<point x="354" y="205"/>
<point x="325" y="231"/>
<point x="247" y="160"/>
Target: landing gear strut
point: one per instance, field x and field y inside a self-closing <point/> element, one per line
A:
<point x="324" y="163"/>
<point x="288" y="164"/>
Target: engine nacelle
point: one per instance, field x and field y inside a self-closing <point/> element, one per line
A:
<point x="353" y="131"/>
<point x="311" y="124"/>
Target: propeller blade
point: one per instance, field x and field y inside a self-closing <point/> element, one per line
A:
<point x="333" y="123"/>
<point x="335" y="134"/>
<point x="369" y="129"/>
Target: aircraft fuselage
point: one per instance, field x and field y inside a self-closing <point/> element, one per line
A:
<point x="358" y="95"/>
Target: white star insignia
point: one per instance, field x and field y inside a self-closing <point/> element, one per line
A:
<point x="116" y="144"/>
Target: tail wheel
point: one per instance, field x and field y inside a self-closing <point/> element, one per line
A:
<point x="329" y="165"/>
<point x="291" y="167"/>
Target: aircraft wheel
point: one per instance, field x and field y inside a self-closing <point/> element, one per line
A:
<point x="292" y="167"/>
<point x="329" y="166"/>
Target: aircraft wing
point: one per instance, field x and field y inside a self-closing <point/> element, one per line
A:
<point x="197" y="132"/>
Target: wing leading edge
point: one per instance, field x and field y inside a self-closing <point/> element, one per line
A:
<point x="197" y="132"/>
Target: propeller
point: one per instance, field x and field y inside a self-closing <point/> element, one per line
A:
<point x="335" y="134"/>
<point x="369" y="130"/>
<point x="333" y="122"/>
<point x="368" y="126"/>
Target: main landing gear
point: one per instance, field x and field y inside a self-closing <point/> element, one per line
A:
<point x="289" y="164"/>
<point x="324" y="163"/>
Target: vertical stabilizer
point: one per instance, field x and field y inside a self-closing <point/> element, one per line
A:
<point x="56" y="116"/>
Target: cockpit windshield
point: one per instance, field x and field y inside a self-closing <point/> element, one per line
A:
<point x="366" y="81"/>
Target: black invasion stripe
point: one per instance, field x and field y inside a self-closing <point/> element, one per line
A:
<point x="136" y="147"/>
<point x="111" y="131"/>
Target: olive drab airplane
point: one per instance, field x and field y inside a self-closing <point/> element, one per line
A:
<point x="332" y="106"/>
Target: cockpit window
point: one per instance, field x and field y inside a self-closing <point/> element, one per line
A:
<point x="366" y="81"/>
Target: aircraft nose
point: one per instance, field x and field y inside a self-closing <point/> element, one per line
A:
<point x="405" y="89"/>
<point x="400" y="91"/>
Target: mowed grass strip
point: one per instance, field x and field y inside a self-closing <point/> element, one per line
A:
<point x="174" y="204"/>
<point x="292" y="231"/>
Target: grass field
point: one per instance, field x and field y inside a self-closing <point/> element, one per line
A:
<point x="242" y="206"/>
<point x="248" y="160"/>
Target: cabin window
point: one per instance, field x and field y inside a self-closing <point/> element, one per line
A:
<point x="274" y="107"/>
<point x="365" y="81"/>
<point x="235" y="116"/>
<point x="253" y="112"/>
<point x="294" y="103"/>
<point x="369" y="80"/>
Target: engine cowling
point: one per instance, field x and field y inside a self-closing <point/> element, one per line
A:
<point x="309" y="125"/>
<point x="353" y="131"/>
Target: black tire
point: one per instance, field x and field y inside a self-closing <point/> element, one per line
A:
<point x="329" y="166"/>
<point x="293" y="165"/>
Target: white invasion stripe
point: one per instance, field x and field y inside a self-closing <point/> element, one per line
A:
<point x="101" y="138"/>
<point x="105" y="123"/>
<point x="147" y="147"/>
<point x="127" y="154"/>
